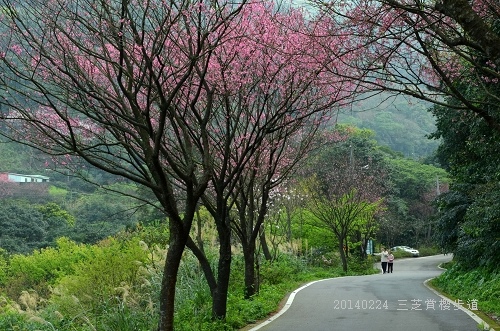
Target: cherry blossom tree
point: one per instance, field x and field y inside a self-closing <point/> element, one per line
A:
<point x="431" y="50"/>
<point x="117" y="84"/>
<point x="272" y="93"/>
<point x="347" y="189"/>
<point x="182" y="98"/>
<point x="272" y="166"/>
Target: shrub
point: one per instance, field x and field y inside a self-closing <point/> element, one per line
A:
<point x="109" y="273"/>
<point x="358" y="265"/>
<point x="3" y="267"/>
<point x="285" y="267"/>
<point x="43" y="267"/>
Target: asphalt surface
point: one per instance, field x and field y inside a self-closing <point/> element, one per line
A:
<point x="381" y="302"/>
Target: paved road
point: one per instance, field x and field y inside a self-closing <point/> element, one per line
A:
<point x="396" y="301"/>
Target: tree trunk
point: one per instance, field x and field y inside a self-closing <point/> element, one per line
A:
<point x="199" y="239"/>
<point x="429" y="234"/>
<point x="342" y="255"/>
<point x="249" y="255"/>
<point x="263" y="244"/>
<point x="218" y="287"/>
<point x="169" y="280"/>
<point x="288" y="225"/>
<point x="219" y="299"/>
<point x="205" y="265"/>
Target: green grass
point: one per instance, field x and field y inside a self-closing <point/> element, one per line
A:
<point x="471" y="287"/>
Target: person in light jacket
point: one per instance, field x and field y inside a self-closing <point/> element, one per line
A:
<point x="384" y="255"/>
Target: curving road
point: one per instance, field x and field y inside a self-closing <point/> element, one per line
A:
<point x="396" y="301"/>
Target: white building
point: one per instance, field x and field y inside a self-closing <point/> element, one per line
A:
<point x="18" y="178"/>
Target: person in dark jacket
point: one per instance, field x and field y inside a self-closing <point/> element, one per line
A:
<point x="390" y="262"/>
<point x="383" y="259"/>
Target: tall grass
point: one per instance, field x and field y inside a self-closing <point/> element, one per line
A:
<point x="114" y="286"/>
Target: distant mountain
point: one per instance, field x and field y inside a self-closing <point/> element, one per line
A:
<point x="398" y="123"/>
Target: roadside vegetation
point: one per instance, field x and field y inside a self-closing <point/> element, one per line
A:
<point x="113" y="285"/>
<point x="477" y="290"/>
<point x="80" y="258"/>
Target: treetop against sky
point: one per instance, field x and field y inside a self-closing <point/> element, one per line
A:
<point x="91" y="67"/>
<point x="428" y="50"/>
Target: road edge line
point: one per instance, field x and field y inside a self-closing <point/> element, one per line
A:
<point x="471" y="314"/>
<point x="287" y="304"/>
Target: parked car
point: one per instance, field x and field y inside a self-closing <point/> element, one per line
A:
<point x="407" y="249"/>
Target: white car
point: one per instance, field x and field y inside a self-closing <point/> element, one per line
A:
<point x="407" y="249"/>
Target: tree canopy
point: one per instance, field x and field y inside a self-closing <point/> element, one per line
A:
<point x="175" y="97"/>
<point x="424" y="49"/>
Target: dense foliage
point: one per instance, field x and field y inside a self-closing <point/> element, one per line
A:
<point x="35" y="215"/>
<point x="468" y="217"/>
<point x="407" y="187"/>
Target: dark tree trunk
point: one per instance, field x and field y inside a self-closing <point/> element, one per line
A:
<point x="218" y="287"/>
<point x="199" y="239"/>
<point x="205" y="265"/>
<point x="167" y="294"/>
<point x="343" y="257"/>
<point x="219" y="210"/>
<point x="219" y="299"/>
<point x="249" y="255"/>
<point x="263" y="244"/>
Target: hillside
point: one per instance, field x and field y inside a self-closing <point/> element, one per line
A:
<point x="401" y="125"/>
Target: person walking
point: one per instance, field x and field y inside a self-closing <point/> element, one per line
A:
<point x="390" y="262"/>
<point x="384" y="254"/>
